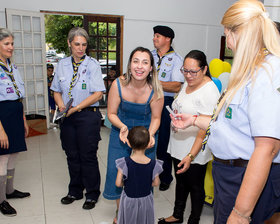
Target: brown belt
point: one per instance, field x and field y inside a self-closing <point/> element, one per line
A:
<point x="236" y="162"/>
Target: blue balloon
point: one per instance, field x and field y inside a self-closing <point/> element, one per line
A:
<point x="218" y="83"/>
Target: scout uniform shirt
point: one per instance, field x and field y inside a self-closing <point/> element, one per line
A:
<point x="89" y="80"/>
<point x="254" y="111"/>
<point x="7" y="88"/>
<point x="168" y="67"/>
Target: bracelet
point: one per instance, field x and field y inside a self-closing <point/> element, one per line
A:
<point x="249" y="219"/>
<point x="191" y="156"/>
<point x="195" y="117"/>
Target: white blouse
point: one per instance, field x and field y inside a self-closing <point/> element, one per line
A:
<point x="201" y="101"/>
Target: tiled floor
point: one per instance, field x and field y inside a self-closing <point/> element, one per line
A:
<point x="42" y="171"/>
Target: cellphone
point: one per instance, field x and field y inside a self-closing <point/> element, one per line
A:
<point x="170" y="111"/>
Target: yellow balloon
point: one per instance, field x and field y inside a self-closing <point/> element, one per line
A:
<point x="227" y="66"/>
<point x="216" y="67"/>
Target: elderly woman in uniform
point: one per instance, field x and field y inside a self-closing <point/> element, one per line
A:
<point x="79" y="77"/>
<point x="244" y="132"/>
<point x="13" y="126"/>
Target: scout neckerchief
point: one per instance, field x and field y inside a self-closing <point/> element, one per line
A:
<point x="211" y="121"/>
<point x="75" y="74"/>
<point x="160" y="58"/>
<point x="10" y="74"/>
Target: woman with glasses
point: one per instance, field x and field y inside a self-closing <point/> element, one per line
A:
<point x="244" y="132"/>
<point x="199" y="95"/>
<point x="79" y="77"/>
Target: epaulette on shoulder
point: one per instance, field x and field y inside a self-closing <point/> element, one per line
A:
<point x="94" y="60"/>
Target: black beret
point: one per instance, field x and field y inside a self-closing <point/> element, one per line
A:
<point x="165" y="31"/>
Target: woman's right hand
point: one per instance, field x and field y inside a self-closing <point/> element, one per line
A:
<point x="182" y="121"/>
<point x="4" y="141"/>
<point x="61" y="108"/>
<point x="123" y="134"/>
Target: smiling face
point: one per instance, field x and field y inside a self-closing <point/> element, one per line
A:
<point x="6" y="48"/>
<point x="196" y="79"/>
<point x="78" y="47"/>
<point x="140" y="65"/>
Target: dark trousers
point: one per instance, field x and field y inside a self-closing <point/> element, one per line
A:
<point x="163" y="140"/>
<point x="192" y="181"/>
<point x="227" y="182"/>
<point x="80" y="134"/>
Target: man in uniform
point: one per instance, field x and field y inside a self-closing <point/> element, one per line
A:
<point x="168" y="64"/>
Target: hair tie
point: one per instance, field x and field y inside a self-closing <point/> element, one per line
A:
<point x="265" y="14"/>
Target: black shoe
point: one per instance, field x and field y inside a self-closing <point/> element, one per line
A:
<point x="69" y="199"/>
<point x="162" y="221"/>
<point x="89" y="204"/>
<point x="163" y="186"/>
<point x="7" y="209"/>
<point x="17" y="194"/>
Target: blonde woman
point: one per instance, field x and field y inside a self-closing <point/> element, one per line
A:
<point x="244" y="132"/>
<point x="134" y="100"/>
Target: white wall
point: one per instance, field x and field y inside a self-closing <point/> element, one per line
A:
<point x="196" y="22"/>
<point x="273" y="7"/>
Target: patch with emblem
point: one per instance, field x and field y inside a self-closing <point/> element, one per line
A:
<point x="163" y="75"/>
<point x="10" y="90"/>
<point x="228" y="113"/>
<point x="2" y="76"/>
<point x="170" y="59"/>
<point x="84" y="86"/>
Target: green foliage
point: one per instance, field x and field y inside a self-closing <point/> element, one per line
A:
<point x="57" y="28"/>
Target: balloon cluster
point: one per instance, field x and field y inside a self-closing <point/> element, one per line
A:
<point x="220" y="72"/>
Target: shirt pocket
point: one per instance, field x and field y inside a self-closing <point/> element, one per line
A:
<point x="166" y="74"/>
<point x="236" y="113"/>
<point x="4" y="84"/>
<point x="83" y="84"/>
<point x="64" y="85"/>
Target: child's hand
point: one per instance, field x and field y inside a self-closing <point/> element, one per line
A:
<point x="123" y="134"/>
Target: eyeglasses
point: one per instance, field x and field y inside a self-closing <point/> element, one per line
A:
<point x="192" y="73"/>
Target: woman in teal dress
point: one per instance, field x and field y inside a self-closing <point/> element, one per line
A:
<point x="134" y="100"/>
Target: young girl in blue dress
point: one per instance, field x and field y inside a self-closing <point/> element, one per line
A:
<point x="137" y="174"/>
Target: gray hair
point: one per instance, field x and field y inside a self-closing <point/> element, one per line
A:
<point x="77" y="31"/>
<point x="4" y="33"/>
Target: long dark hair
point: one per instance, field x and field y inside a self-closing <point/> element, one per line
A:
<point x="200" y="57"/>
